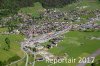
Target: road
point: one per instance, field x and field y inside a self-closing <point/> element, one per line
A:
<point x="40" y="39"/>
<point x="34" y="60"/>
<point x="44" y="38"/>
<point x="96" y="53"/>
<point x="16" y="61"/>
<point x="26" y="64"/>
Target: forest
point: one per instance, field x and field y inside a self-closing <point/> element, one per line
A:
<point x="12" y="6"/>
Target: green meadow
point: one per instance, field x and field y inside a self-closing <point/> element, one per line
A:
<point x="76" y="44"/>
<point x="36" y="10"/>
<point x="14" y="46"/>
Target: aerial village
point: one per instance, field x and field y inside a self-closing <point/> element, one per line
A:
<point x="50" y="27"/>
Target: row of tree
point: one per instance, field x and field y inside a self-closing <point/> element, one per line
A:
<point x="12" y="6"/>
<point x="7" y="45"/>
<point x="55" y="3"/>
<point x="10" y="60"/>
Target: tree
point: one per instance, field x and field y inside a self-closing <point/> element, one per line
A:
<point x="2" y="63"/>
<point x="12" y="6"/>
<point x="34" y="49"/>
<point x="11" y="25"/>
<point x="55" y="3"/>
<point x="93" y="64"/>
<point x="12" y="59"/>
<point x="7" y="41"/>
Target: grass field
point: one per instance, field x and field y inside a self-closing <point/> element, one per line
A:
<point x="35" y="10"/>
<point x="75" y="44"/>
<point x="15" y="47"/>
<point x="96" y="59"/>
<point x="3" y="29"/>
<point x="90" y="6"/>
<point x="98" y="22"/>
